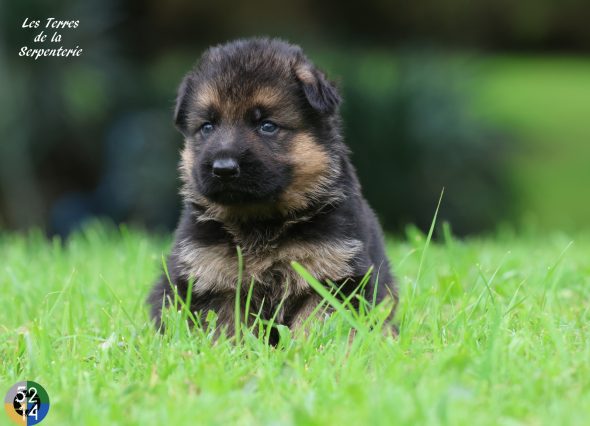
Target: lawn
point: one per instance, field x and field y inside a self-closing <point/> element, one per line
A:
<point x="493" y="330"/>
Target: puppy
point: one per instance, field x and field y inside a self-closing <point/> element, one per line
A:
<point x="264" y="167"/>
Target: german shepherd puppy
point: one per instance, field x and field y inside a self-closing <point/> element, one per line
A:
<point x="264" y="167"/>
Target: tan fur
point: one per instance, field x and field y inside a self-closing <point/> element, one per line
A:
<point x="305" y="74"/>
<point x="207" y="96"/>
<point x="273" y="99"/>
<point x="187" y="162"/>
<point x="313" y="172"/>
<point x="216" y="267"/>
<point x="186" y="166"/>
<point x="268" y="96"/>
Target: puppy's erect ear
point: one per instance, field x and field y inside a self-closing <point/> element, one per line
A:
<point x="185" y="93"/>
<point x="321" y="94"/>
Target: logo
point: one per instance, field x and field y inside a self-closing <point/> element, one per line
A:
<point x="27" y="403"/>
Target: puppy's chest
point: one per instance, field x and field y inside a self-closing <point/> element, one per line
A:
<point x="215" y="267"/>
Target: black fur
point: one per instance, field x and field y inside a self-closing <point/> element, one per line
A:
<point x="274" y="207"/>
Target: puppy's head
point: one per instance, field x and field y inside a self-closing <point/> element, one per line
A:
<point x="260" y="123"/>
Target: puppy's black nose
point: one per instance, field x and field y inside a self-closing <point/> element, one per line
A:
<point x="226" y="168"/>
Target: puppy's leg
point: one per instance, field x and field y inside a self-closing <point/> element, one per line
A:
<point x="389" y="300"/>
<point x="223" y="305"/>
<point x="163" y="295"/>
<point x="304" y="308"/>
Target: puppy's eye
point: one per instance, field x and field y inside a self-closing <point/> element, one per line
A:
<point x="268" y="127"/>
<point x="206" y="128"/>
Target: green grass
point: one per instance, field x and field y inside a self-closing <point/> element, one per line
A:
<point x="496" y="331"/>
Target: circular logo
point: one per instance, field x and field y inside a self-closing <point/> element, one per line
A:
<point x="26" y="403"/>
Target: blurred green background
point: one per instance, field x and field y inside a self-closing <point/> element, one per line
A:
<point x="488" y="99"/>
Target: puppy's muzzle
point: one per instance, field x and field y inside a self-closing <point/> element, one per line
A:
<point x="226" y="168"/>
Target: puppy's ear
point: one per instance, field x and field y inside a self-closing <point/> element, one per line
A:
<point x="185" y="93"/>
<point x="321" y="93"/>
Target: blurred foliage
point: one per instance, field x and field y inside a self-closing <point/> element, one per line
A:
<point x="92" y="136"/>
<point x="409" y="125"/>
<point x="545" y="102"/>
